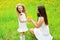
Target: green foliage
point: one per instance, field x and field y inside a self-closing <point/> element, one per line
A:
<point x="9" y="19"/>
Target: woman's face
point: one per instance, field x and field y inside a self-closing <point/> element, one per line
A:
<point x="38" y="13"/>
<point x="20" y="8"/>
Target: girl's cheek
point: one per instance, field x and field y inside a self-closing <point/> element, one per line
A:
<point x="19" y="9"/>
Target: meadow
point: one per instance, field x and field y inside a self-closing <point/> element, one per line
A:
<point x="9" y="18"/>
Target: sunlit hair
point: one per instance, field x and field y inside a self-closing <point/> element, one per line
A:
<point x="22" y="7"/>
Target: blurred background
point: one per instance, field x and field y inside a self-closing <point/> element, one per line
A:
<point x="9" y="18"/>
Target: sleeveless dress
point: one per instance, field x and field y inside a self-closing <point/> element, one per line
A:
<point x="42" y="33"/>
<point x="22" y="25"/>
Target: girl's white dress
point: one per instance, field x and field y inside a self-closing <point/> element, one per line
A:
<point x="42" y="33"/>
<point x="22" y="25"/>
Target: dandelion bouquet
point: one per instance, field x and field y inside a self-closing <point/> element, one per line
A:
<point x="29" y="16"/>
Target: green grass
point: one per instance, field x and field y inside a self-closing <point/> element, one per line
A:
<point x="9" y="19"/>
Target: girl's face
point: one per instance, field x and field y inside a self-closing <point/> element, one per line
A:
<point x="20" y="8"/>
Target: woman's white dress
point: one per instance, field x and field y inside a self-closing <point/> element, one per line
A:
<point x="22" y="25"/>
<point x="42" y="33"/>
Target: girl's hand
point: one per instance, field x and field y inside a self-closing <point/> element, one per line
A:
<point x="29" y="19"/>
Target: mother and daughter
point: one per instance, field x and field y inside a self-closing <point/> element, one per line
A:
<point x="41" y="30"/>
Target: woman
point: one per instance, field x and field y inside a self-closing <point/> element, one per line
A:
<point x="41" y="30"/>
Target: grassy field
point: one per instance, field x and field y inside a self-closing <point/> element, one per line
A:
<point x="9" y="19"/>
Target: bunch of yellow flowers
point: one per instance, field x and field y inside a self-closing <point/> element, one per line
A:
<point x="29" y="16"/>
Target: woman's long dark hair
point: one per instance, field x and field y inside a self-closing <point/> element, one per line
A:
<point x="22" y="10"/>
<point x="42" y="12"/>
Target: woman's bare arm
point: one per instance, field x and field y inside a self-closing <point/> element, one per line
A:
<point x="38" y="24"/>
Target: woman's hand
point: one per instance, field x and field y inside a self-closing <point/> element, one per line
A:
<point x="39" y="23"/>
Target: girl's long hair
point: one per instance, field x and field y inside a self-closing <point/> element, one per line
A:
<point x="22" y="10"/>
<point x="42" y="12"/>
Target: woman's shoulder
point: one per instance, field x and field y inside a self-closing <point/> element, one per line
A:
<point x="41" y="18"/>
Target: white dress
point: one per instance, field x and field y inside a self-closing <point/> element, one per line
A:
<point x="22" y="25"/>
<point x="42" y="33"/>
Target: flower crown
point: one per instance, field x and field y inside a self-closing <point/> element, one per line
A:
<point x="19" y="4"/>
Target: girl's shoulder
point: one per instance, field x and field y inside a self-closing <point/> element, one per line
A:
<point x="47" y="25"/>
<point x="21" y="14"/>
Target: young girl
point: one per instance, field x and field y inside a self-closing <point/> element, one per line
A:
<point x="22" y="20"/>
<point x="41" y="30"/>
